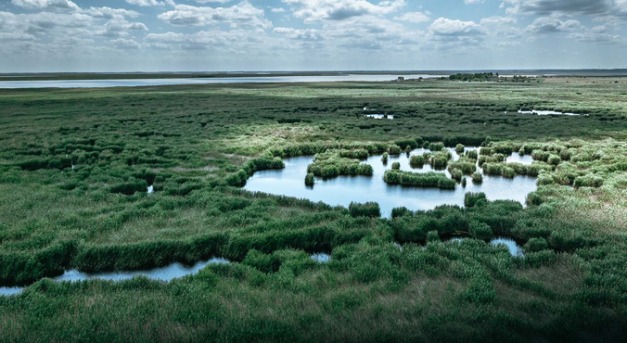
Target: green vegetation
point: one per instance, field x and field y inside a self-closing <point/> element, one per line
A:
<point x="467" y="167"/>
<point x="75" y="164"/>
<point x="439" y="160"/>
<point x="332" y="164"/>
<point x="369" y="209"/>
<point x="417" y="161"/>
<point x="459" y="148"/>
<point x="309" y="180"/>
<point x="477" y="178"/>
<point x="394" y="150"/>
<point x="474" y="77"/>
<point x="423" y="180"/>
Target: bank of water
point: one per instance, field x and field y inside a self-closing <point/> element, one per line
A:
<point x="344" y="190"/>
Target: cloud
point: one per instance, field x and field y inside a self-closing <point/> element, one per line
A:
<point x="57" y="32"/>
<point x="278" y="10"/>
<point x="126" y="44"/>
<point x="318" y="10"/>
<point x="473" y="2"/>
<point x="145" y="3"/>
<point x="110" y="13"/>
<point x="597" y="37"/>
<point x="498" y="21"/>
<point x="369" y="32"/>
<point x="120" y="28"/>
<point x="597" y="34"/>
<point x="212" y="1"/>
<point x="454" y="27"/>
<point x="570" y="7"/>
<point x="234" y="41"/>
<point x="414" y="17"/>
<point x="299" y="34"/>
<point x="50" y="5"/>
<point x="552" y="25"/>
<point x="448" y="34"/>
<point x="241" y="15"/>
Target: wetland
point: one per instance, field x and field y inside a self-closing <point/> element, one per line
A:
<point x="127" y="182"/>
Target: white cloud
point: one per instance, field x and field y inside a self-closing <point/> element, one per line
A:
<point x="126" y="44"/>
<point x="473" y="2"/>
<point x="498" y="21"/>
<point x="62" y="5"/>
<point x="552" y="25"/>
<point x="448" y="34"/>
<point x="241" y="15"/>
<point x="278" y="10"/>
<point x="454" y="27"/>
<point x="121" y="28"/>
<point x="110" y="13"/>
<point x="145" y="3"/>
<point x="414" y="17"/>
<point x="233" y="41"/>
<point x="316" y="10"/>
<point x="299" y="34"/>
<point x="212" y="1"/>
<point x="369" y="32"/>
<point x="597" y="37"/>
<point x="57" y="32"/>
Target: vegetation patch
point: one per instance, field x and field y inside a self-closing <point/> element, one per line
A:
<point x="331" y="164"/>
<point x="422" y="180"/>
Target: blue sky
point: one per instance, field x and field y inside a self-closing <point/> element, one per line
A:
<point x="239" y="35"/>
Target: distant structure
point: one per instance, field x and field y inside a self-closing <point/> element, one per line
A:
<point x="400" y="79"/>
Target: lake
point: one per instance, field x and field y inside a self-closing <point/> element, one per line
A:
<point x="345" y="189"/>
<point x="216" y="80"/>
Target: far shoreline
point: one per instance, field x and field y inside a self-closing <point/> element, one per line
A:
<point x="69" y="76"/>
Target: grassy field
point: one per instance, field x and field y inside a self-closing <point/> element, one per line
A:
<point x="75" y="164"/>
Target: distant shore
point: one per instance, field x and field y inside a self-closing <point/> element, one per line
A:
<point x="245" y="74"/>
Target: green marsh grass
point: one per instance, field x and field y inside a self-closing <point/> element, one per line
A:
<point x="198" y="144"/>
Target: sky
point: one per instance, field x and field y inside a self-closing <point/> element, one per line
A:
<point x="283" y="35"/>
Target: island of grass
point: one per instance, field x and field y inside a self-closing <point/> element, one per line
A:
<point x="421" y="180"/>
<point x="334" y="163"/>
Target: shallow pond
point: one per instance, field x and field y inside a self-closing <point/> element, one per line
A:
<point x="549" y="113"/>
<point x="513" y="247"/>
<point x="379" y="116"/>
<point x="516" y="158"/>
<point x="344" y="189"/>
<point x="321" y="258"/>
<point x="168" y="273"/>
